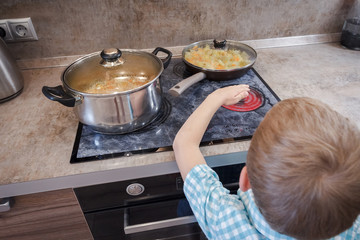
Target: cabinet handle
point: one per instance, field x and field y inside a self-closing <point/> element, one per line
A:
<point x="4" y="204"/>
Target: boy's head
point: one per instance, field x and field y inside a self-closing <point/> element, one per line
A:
<point x="303" y="165"/>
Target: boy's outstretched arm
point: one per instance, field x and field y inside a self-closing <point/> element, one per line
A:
<point x="187" y="141"/>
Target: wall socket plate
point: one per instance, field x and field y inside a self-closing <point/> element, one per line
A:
<point x="3" y="25"/>
<point x="18" y="30"/>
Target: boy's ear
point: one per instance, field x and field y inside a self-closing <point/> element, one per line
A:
<point x="244" y="182"/>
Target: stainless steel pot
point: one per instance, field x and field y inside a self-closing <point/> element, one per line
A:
<point x="116" y="112"/>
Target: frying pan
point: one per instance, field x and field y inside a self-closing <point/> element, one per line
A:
<point x="212" y="74"/>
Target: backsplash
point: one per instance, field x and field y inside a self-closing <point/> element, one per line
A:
<point x="76" y="27"/>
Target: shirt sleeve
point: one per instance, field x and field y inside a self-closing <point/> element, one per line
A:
<point x="220" y="214"/>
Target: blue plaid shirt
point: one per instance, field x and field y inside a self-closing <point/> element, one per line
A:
<point x="222" y="215"/>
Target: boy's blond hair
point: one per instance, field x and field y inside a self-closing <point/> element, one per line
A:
<point x="304" y="169"/>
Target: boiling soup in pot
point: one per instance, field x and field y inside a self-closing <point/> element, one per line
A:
<point x="118" y="84"/>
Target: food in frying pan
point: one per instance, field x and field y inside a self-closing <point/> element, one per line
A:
<point x="117" y="84"/>
<point x="217" y="59"/>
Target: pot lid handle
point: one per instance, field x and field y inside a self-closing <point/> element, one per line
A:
<point x="219" y="43"/>
<point x="111" y="57"/>
<point x="110" y="54"/>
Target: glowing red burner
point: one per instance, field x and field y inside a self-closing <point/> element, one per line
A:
<point x="250" y="103"/>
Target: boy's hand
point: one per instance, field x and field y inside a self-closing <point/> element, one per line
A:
<point x="187" y="140"/>
<point x="232" y="94"/>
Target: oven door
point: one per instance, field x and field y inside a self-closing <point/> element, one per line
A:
<point x="170" y="219"/>
<point x="146" y="208"/>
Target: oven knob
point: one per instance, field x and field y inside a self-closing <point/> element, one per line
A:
<point x="135" y="189"/>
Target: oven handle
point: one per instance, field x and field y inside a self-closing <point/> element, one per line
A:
<point x="157" y="224"/>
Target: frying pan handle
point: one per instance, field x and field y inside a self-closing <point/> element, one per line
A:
<point x="165" y="61"/>
<point x="58" y="94"/>
<point x="186" y="83"/>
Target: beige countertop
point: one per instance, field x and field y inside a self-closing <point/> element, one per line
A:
<point x="37" y="135"/>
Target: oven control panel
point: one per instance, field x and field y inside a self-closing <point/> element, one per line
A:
<point x="155" y="188"/>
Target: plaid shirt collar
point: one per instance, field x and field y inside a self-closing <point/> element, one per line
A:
<point x="257" y="219"/>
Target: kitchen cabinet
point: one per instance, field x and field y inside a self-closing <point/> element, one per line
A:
<point x="48" y="215"/>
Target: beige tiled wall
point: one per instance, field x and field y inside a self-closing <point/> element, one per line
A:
<point x="71" y="27"/>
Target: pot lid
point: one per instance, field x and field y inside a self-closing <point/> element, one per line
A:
<point x="112" y="65"/>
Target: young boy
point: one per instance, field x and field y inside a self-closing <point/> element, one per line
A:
<point x="301" y="180"/>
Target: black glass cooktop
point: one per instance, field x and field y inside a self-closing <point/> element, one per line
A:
<point x="236" y="122"/>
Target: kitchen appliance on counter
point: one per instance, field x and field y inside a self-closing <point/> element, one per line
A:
<point x="155" y="207"/>
<point x="350" y="35"/>
<point x="237" y="122"/>
<point x="11" y="79"/>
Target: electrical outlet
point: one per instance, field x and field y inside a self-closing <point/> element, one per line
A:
<point x="6" y="30"/>
<point x="20" y="29"/>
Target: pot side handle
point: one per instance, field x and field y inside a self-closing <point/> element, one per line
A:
<point x="58" y="94"/>
<point x="165" y="61"/>
<point x="186" y="83"/>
